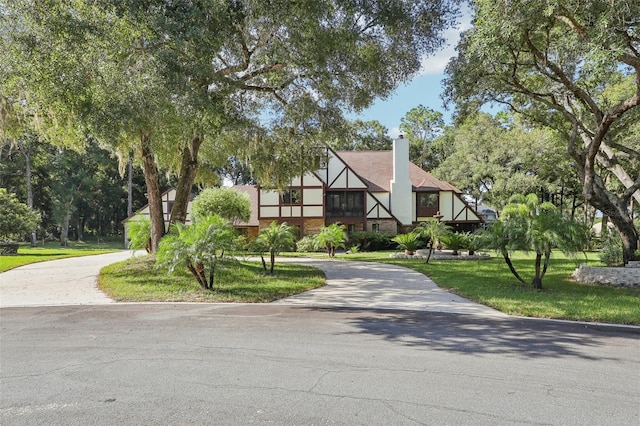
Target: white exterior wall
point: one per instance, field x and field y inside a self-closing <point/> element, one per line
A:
<point x="446" y="205"/>
<point x="383" y="197"/>
<point x="269" y="197"/>
<point x="401" y="205"/>
<point x="312" y="196"/>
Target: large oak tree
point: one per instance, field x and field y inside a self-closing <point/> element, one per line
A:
<point x="573" y="65"/>
<point x="263" y="81"/>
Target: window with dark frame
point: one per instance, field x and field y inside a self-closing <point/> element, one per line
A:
<point x="344" y="204"/>
<point x="291" y="197"/>
<point x="427" y="204"/>
<point x="375" y="227"/>
<point x="428" y="199"/>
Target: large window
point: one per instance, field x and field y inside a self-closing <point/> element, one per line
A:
<point x="345" y="204"/>
<point x="428" y="204"/>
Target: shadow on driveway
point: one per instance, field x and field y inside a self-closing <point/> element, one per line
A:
<point x="481" y="335"/>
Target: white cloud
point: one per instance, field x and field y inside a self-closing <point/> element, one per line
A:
<point x="394" y="132"/>
<point x="435" y="64"/>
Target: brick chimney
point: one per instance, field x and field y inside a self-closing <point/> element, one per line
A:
<point x="401" y="203"/>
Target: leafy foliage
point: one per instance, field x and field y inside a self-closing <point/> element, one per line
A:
<point x="200" y="247"/>
<point x="526" y="224"/>
<point x="332" y="237"/>
<point x="421" y="126"/>
<point x="274" y="239"/>
<point x="307" y="244"/>
<point x="454" y="241"/>
<point x="372" y="241"/>
<point x="492" y="159"/>
<point x="571" y="65"/>
<point x="433" y="230"/>
<point x="16" y="219"/>
<point x="227" y="203"/>
<point x="139" y="233"/>
<point x="362" y="136"/>
<point x="611" y="252"/>
<point x="408" y="242"/>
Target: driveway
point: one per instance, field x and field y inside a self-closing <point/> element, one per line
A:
<point x="380" y="286"/>
<point x="71" y="281"/>
<point x="349" y="284"/>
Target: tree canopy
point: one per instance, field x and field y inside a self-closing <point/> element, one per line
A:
<point x="227" y="203"/>
<point x="572" y="65"/>
<point x="233" y="78"/>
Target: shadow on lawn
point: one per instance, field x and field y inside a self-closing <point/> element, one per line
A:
<point x="475" y="335"/>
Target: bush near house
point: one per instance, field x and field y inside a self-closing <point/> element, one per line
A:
<point x="372" y="241"/>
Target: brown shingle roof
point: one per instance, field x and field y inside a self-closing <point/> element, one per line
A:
<point x="376" y="169"/>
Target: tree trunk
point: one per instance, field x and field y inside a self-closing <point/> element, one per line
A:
<point x="80" y="228"/>
<point x="154" y="195"/>
<point x="507" y="259"/>
<point x="537" y="279"/>
<point x="186" y="177"/>
<point x="28" y="176"/>
<point x="130" y="186"/>
<point x="64" y="231"/>
<point x="273" y="262"/>
<point x="609" y="203"/>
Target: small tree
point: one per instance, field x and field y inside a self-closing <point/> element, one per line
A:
<point x="433" y="230"/>
<point x="225" y="202"/>
<point x="16" y="218"/>
<point x="274" y="239"/>
<point x="139" y="233"/>
<point x="331" y="237"/>
<point x="198" y="246"/>
<point x="528" y="225"/>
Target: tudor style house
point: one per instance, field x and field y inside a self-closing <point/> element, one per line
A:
<point x="379" y="191"/>
<point x="366" y="191"/>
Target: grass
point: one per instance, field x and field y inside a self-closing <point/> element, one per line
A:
<point x="50" y="251"/>
<point x="136" y="280"/>
<point x="490" y="282"/>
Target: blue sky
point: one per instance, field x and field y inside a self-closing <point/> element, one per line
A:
<point x="425" y="88"/>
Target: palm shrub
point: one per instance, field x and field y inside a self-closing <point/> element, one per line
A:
<point x="332" y="237"/>
<point x="273" y="240"/>
<point x="454" y="241"/>
<point x="526" y="224"/>
<point x="473" y="242"/>
<point x="307" y="244"/>
<point x="432" y="230"/>
<point x="409" y="242"/>
<point x="139" y="233"/>
<point x="199" y="247"/>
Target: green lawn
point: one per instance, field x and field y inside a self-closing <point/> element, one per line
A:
<point x="136" y="280"/>
<point x="51" y="251"/>
<point x="490" y="282"/>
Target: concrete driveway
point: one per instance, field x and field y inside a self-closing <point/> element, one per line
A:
<point x="368" y="285"/>
<point x="71" y="281"/>
<point x="372" y="285"/>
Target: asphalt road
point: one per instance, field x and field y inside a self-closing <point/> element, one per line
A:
<point x="295" y="365"/>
